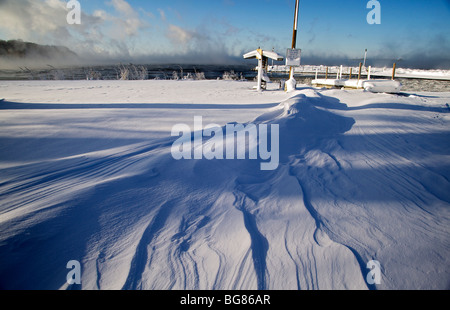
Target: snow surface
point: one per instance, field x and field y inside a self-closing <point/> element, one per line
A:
<point x="87" y="174"/>
<point x="374" y="86"/>
<point x="382" y="86"/>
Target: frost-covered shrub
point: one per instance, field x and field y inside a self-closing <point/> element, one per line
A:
<point x="175" y="76"/>
<point x="232" y="76"/>
<point x="124" y="73"/>
<point x="139" y="72"/>
<point x="188" y="76"/>
<point x="132" y="72"/>
<point x="229" y="76"/>
<point x="92" y="75"/>
<point x="200" y="76"/>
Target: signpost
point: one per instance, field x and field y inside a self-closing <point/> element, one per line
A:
<point x="294" y="35"/>
<point x="293" y="57"/>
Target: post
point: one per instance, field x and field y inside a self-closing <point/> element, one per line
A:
<point x="359" y="75"/>
<point x="393" y="71"/>
<point x="365" y="57"/>
<point x="340" y="73"/>
<point x="294" y="35"/>
<point x="326" y="74"/>
<point x="259" y="75"/>
<point x="350" y="76"/>
<point x="260" y="69"/>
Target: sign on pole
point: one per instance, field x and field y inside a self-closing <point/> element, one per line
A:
<point x="293" y="57"/>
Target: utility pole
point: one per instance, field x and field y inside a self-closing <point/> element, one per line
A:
<point x="273" y="50"/>
<point x="294" y="35"/>
<point x="365" y="58"/>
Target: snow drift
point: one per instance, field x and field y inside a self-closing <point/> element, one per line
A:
<point x="362" y="177"/>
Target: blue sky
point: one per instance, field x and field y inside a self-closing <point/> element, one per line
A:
<point x="222" y="30"/>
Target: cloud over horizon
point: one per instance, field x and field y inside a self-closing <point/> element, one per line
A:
<point x="119" y="34"/>
<point x="166" y="31"/>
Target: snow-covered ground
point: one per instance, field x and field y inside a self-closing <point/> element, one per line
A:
<point x="87" y="174"/>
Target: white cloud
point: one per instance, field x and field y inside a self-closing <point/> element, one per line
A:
<point x="44" y="22"/>
<point x="128" y="19"/>
<point x="117" y="32"/>
<point x="148" y="14"/>
<point x="179" y="35"/>
<point x="28" y="19"/>
<point x="123" y="7"/>
<point x="162" y="14"/>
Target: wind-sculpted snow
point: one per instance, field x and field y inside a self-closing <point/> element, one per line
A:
<point x="362" y="177"/>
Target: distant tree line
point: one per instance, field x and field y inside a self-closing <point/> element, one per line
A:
<point x="19" y="49"/>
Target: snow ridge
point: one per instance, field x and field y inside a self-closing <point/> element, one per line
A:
<point x="346" y="192"/>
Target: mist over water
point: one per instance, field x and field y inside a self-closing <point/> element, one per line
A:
<point x="180" y="72"/>
<point x="113" y="72"/>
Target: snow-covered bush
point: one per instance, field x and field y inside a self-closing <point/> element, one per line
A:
<point x="92" y="75"/>
<point x="123" y="73"/>
<point x="200" y="76"/>
<point x="175" y="76"/>
<point x="139" y="73"/>
<point x="188" y="76"/>
<point x="232" y="76"/>
<point x="132" y="72"/>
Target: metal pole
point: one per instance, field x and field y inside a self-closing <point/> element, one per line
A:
<point x="365" y="58"/>
<point x="294" y="35"/>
